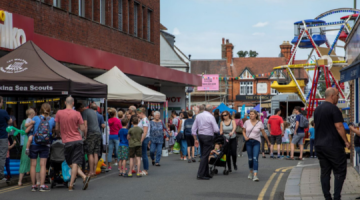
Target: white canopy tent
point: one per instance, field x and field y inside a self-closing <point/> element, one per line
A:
<point x="122" y="88"/>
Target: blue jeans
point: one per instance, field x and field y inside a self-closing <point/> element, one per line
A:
<point x="144" y="153"/>
<point x="253" y="149"/>
<point x="357" y="150"/>
<point x="113" y="144"/>
<point x="183" y="147"/>
<point x="158" y="148"/>
<point x="312" y="144"/>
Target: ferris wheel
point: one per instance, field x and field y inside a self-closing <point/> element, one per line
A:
<point x="311" y="34"/>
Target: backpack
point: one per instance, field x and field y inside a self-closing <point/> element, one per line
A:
<point x="42" y="135"/>
<point x="304" y="122"/>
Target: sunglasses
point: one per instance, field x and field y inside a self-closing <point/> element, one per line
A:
<point x="224" y="115"/>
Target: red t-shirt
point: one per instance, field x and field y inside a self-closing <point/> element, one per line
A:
<point x="69" y="121"/>
<point x="275" y="122"/>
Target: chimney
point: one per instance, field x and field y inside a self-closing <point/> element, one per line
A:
<point x="223" y="51"/>
<point x="229" y="51"/>
<point x="285" y="50"/>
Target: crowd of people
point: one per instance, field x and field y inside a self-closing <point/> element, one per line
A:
<point x="132" y="133"/>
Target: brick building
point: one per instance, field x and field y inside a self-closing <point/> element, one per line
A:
<point x="243" y="77"/>
<point x="92" y="36"/>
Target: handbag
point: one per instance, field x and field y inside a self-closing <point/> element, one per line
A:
<point x="180" y="136"/>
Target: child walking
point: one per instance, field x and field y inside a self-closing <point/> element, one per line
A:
<point x="123" y="151"/>
<point x="312" y="140"/>
<point x="172" y="138"/>
<point x="7" y="161"/>
<point x="285" y="140"/>
<point x="135" y="141"/>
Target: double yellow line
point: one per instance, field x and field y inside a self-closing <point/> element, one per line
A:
<point x="267" y="184"/>
<point x="9" y="189"/>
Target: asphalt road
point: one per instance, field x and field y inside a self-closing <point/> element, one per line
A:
<point x="174" y="179"/>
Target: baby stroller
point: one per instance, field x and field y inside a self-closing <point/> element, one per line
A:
<point x="57" y="157"/>
<point x="218" y="161"/>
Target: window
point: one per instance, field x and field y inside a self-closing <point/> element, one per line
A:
<point x="149" y="25"/>
<point x="102" y="11"/>
<point x="120" y="15"/>
<point x="57" y="3"/>
<point x="128" y="16"/>
<point x="82" y="8"/>
<point x="136" y="19"/>
<point x="246" y="88"/>
<point x="273" y="91"/>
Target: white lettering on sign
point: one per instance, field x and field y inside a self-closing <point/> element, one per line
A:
<point x="14" y="66"/>
<point x="11" y="37"/>
<point x="26" y="88"/>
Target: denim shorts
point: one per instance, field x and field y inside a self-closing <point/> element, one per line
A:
<point x="298" y="138"/>
<point x="39" y="150"/>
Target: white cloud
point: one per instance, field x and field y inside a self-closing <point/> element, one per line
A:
<point x="176" y="31"/>
<point x="261" y="24"/>
<point x="258" y="34"/>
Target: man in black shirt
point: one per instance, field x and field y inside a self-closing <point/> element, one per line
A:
<point x="330" y="140"/>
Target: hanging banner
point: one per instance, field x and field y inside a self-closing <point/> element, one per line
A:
<point x="210" y="82"/>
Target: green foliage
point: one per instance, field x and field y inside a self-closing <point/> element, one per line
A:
<point x="242" y="54"/>
<point x="253" y="53"/>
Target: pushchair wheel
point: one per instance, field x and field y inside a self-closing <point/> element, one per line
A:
<point x="226" y="172"/>
<point x="53" y="184"/>
<point x="215" y="171"/>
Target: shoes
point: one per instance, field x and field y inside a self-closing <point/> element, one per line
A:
<point x="315" y="157"/>
<point x="185" y="158"/>
<point x="203" y="178"/>
<point x="278" y="156"/>
<point x="171" y="152"/>
<point x="230" y="170"/>
<point x="271" y="156"/>
<point x="71" y="188"/>
<point x="193" y="159"/>
<point x="250" y="176"/>
<point x="287" y="157"/>
<point x="115" y="163"/>
<point x="282" y="157"/>
<point x="189" y="161"/>
<point x="256" y="179"/>
<point x="86" y="182"/>
<point x="109" y="168"/>
<point x="264" y="157"/>
<point x="311" y="156"/>
<point x="34" y="188"/>
<point x="133" y="171"/>
<point x="235" y="167"/>
<point x="44" y="189"/>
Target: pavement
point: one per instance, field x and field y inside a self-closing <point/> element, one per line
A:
<point x="174" y="179"/>
<point x="303" y="182"/>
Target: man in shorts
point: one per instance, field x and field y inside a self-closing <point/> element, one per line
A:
<point x="299" y="135"/>
<point x="68" y="122"/>
<point x="276" y="127"/>
<point x="92" y="138"/>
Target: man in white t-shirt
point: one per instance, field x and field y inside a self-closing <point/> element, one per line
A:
<point x="144" y="124"/>
<point x="175" y="120"/>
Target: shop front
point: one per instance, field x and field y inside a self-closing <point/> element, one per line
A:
<point x="351" y="75"/>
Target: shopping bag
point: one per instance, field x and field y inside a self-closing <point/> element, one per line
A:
<point x="66" y="171"/>
<point x="176" y="147"/>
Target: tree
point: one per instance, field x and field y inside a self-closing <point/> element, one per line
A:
<point x="242" y="54"/>
<point x="253" y="53"/>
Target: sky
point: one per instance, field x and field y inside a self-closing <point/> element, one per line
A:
<point x="260" y="25"/>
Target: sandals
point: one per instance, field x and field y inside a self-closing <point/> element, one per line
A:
<point x="298" y="158"/>
<point x="138" y="175"/>
<point x="291" y="158"/>
<point x="128" y="175"/>
<point x="20" y="184"/>
<point x="143" y="173"/>
<point x="121" y="174"/>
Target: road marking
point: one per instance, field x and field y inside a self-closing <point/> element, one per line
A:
<point x="272" y="194"/>
<point x="279" y="169"/>
<point x="287" y="168"/>
<point x="267" y="184"/>
<point x="13" y="188"/>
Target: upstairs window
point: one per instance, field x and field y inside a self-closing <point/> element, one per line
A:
<point x="149" y="15"/>
<point x="57" y="3"/>
<point x="82" y="8"/>
<point x="102" y="11"/>
<point x="246" y="88"/>
<point x="120" y="15"/>
<point x="136" y="5"/>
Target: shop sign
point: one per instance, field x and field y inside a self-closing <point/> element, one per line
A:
<point x="14" y="66"/>
<point x="173" y="99"/>
<point x="261" y="88"/>
<point x="10" y="37"/>
<point x="253" y="97"/>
